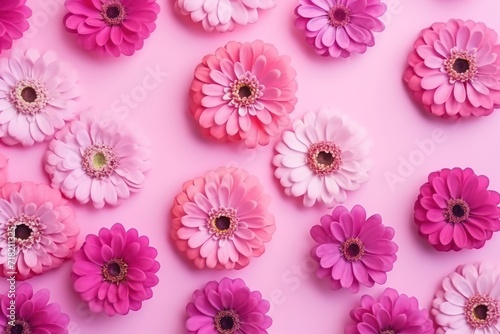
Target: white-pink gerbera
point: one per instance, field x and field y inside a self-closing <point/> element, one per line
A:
<point x="94" y="162"/>
<point x="37" y="96"/>
<point x="322" y="158"/>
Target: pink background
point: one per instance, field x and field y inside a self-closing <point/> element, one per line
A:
<point x="367" y="87"/>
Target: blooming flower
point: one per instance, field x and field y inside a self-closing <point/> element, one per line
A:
<point x="111" y="27"/>
<point x="223" y="15"/>
<point x="227" y="307"/>
<point x="43" y="225"/>
<point x="14" y="16"/>
<point x="322" y="158"/>
<point x="337" y="28"/>
<point x="392" y="313"/>
<point x="3" y="169"/>
<point x="221" y="220"/>
<point x="33" y="314"/>
<point x="37" y="96"/>
<point x="115" y="270"/>
<point x="92" y="162"/>
<point x="455" y="210"/>
<point x="353" y="250"/>
<point x="243" y="92"/>
<point x="453" y="69"/>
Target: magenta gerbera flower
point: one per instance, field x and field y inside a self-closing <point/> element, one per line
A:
<point x="115" y="270"/>
<point x="453" y="69"/>
<point x="14" y="16"/>
<point x="221" y="220"/>
<point x="337" y="28"/>
<point x="455" y="210"/>
<point x="353" y="250"/>
<point x="111" y="27"/>
<point x="392" y="313"/>
<point x="243" y="92"/>
<point x="3" y="169"/>
<point x="91" y="161"/>
<point x="42" y="224"/>
<point x="227" y="307"/>
<point x="32" y="313"/>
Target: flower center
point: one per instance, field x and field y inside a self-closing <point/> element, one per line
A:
<point x="245" y="92"/>
<point x="29" y="96"/>
<point x="27" y="230"/>
<point x="222" y="222"/>
<point x="388" y="331"/>
<point x="227" y="322"/>
<point x="113" y="13"/>
<point x="99" y="161"/>
<point x="457" y="211"/>
<point x="461" y="65"/>
<point x="352" y="249"/>
<point x="23" y="231"/>
<point x="481" y="311"/>
<point x="339" y="15"/>
<point x="115" y="271"/>
<point x="20" y="327"/>
<point x="324" y="158"/>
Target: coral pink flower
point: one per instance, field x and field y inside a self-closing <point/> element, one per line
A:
<point x="42" y="224"/>
<point x="221" y="220"/>
<point x="392" y="313"/>
<point x="453" y="69"/>
<point x="3" y="169"/>
<point x="227" y="307"/>
<point x="223" y="15"/>
<point x="243" y="92"/>
<point x="33" y="313"/>
<point x="337" y="28"/>
<point x="353" y="250"/>
<point x="93" y="162"/>
<point x="14" y="16"/>
<point x="455" y="210"/>
<point x="111" y="27"/>
<point x="115" y="270"/>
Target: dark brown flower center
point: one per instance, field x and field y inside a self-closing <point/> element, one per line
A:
<point x="23" y="231"/>
<point x="223" y="223"/>
<point x="115" y="271"/>
<point x="324" y="158"/>
<point x="227" y="322"/>
<point x="461" y="65"/>
<point x="20" y="327"/>
<point x="245" y="92"/>
<point x="113" y="13"/>
<point x="29" y="94"/>
<point x="352" y="249"/>
<point x="457" y="211"/>
<point x="339" y="15"/>
<point x="481" y="312"/>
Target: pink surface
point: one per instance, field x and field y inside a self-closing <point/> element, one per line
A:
<point x="367" y="87"/>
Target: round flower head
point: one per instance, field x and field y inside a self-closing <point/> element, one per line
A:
<point x="115" y="270"/>
<point x="223" y="15"/>
<point x="353" y="250"/>
<point x="243" y="92"/>
<point x="33" y="314"/>
<point x="37" y="96"/>
<point x="111" y="27"/>
<point x="453" y="69"/>
<point x="322" y="158"/>
<point x="3" y="169"/>
<point x="94" y="162"/>
<point x="221" y="220"/>
<point x="469" y="301"/>
<point x="337" y="28"/>
<point x="42" y="225"/>
<point x="14" y="16"/>
<point x="227" y="307"/>
<point x="392" y="313"/>
<point x="455" y="210"/>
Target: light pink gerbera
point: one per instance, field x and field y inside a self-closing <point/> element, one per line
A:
<point x="221" y="220"/>
<point x="14" y="16"/>
<point x="92" y="162"/>
<point x="243" y="92"/>
<point x="453" y="69"/>
<point x="223" y="15"/>
<point x="37" y="96"/>
<point x="115" y="270"/>
<point x="337" y="28"/>
<point x="42" y="226"/>
<point x="112" y="27"/>
<point x="3" y="169"/>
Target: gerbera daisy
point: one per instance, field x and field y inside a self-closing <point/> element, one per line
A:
<point x="221" y="220"/>
<point x="112" y="27"/>
<point x="3" y="169"/>
<point x="42" y="224"/>
<point x="323" y="157"/>
<point x="392" y="313"/>
<point x="353" y="250"/>
<point x="37" y="96"/>
<point x="33" y="314"/>
<point x="223" y="15"/>
<point x="92" y="162"/>
<point x="337" y="28"/>
<point x="14" y="16"/>
<point x="243" y="92"/>
<point x="453" y="69"/>
<point x="227" y="307"/>
<point x="115" y="270"/>
<point x="455" y="210"/>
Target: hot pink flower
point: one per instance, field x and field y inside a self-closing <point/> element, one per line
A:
<point x="3" y="169"/>
<point x="243" y="92"/>
<point x="14" y="16"/>
<point x="453" y="69"/>
<point x="221" y="220"/>
<point x="112" y="27"/>
<point x="337" y="28"/>
<point x="115" y="270"/>
<point x="455" y="210"/>
<point x="43" y="225"/>
<point x="353" y="250"/>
